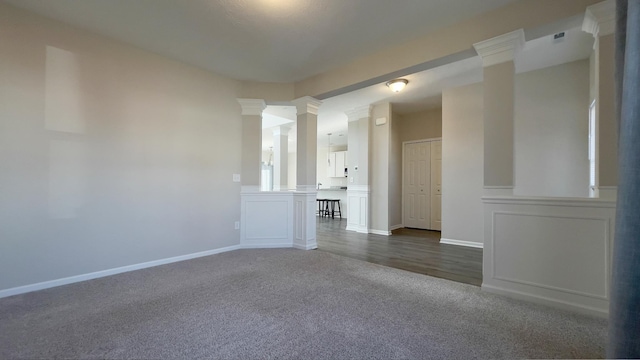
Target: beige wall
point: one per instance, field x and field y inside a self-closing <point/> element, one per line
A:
<point x="499" y="92"/>
<point x="551" y="131"/>
<point x="267" y="91"/>
<point x="109" y="155"/>
<point x="462" y="164"/>
<point x="421" y="125"/>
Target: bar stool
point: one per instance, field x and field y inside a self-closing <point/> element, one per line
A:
<point x="323" y="207"/>
<point x="331" y="207"/>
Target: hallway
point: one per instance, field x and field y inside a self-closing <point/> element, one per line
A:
<point x="413" y="250"/>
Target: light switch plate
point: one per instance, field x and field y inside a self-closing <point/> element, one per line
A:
<point x="236" y="177"/>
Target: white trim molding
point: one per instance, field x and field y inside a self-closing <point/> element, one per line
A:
<point x="282" y="130"/>
<point x="498" y="190"/>
<point x="607" y="192"/>
<point x="600" y="19"/>
<point x="472" y="244"/>
<point x="98" y="274"/>
<point x="501" y="48"/>
<point x="252" y="106"/>
<point x="362" y="112"/>
<point x="380" y="232"/>
<point x="266" y="219"/>
<point x="307" y="105"/>
<point x="396" y="227"/>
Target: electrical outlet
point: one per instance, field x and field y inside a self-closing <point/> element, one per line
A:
<point x="237" y="225"/>
<point x="351" y="179"/>
<point x="236" y="177"/>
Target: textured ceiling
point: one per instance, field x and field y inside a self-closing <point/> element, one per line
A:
<point x="261" y="40"/>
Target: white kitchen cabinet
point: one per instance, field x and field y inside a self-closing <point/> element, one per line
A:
<point x="337" y="164"/>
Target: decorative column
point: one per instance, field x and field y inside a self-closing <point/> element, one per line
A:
<point x="280" y="157"/>
<point x="251" y="143"/>
<point x="358" y="191"/>
<point x="498" y="55"/>
<point x="265" y="216"/>
<point x="305" y="196"/>
<point x="599" y="21"/>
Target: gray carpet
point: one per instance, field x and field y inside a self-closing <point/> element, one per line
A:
<point x="267" y="304"/>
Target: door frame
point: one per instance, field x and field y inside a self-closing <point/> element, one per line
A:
<point x="404" y="143"/>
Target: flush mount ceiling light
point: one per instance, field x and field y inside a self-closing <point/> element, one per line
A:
<point x="397" y="85"/>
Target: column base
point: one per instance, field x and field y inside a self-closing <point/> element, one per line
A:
<point x="304" y="217"/>
<point x="358" y="208"/>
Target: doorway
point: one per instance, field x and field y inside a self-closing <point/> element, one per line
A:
<point x="422" y="184"/>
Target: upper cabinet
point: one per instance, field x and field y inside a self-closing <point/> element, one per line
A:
<point x="337" y="166"/>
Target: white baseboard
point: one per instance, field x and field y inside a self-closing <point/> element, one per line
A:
<point x="305" y="247"/>
<point x="266" y="246"/>
<point x="396" y="227"/>
<point x="566" y="305"/>
<point x="462" y="243"/>
<point x="359" y="229"/>
<point x="98" y="274"/>
<point x="380" y="232"/>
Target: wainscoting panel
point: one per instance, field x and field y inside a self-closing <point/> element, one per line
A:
<point x="358" y="207"/>
<point x="551" y="250"/>
<point x="266" y="219"/>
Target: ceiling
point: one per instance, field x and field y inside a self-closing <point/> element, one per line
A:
<point x="290" y="40"/>
<point x="261" y="40"/>
<point x="424" y="90"/>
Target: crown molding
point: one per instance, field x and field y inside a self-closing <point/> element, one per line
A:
<point x="362" y="112"/>
<point x="307" y="105"/>
<point x="600" y="19"/>
<point x="252" y="106"/>
<point x="501" y="48"/>
<point x="282" y="130"/>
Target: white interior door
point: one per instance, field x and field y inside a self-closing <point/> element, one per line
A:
<point x="436" y="185"/>
<point x="417" y="185"/>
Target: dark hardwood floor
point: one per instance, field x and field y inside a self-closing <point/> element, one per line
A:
<point x="413" y="250"/>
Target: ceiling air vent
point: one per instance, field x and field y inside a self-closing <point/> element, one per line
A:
<point x="558" y="37"/>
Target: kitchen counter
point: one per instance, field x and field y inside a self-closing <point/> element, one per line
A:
<point x="335" y="194"/>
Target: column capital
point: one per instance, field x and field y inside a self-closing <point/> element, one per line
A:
<point x="501" y="48"/>
<point x="358" y="113"/>
<point x="282" y="130"/>
<point x="600" y="19"/>
<point x="307" y="104"/>
<point x="252" y="106"/>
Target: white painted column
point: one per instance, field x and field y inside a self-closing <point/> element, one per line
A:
<point x="266" y="218"/>
<point x="358" y="191"/>
<point x="251" y="143"/>
<point x="498" y="55"/>
<point x="599" y="21"/>
<point x="280" y="157"/>
<point x="305" y="195"/>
